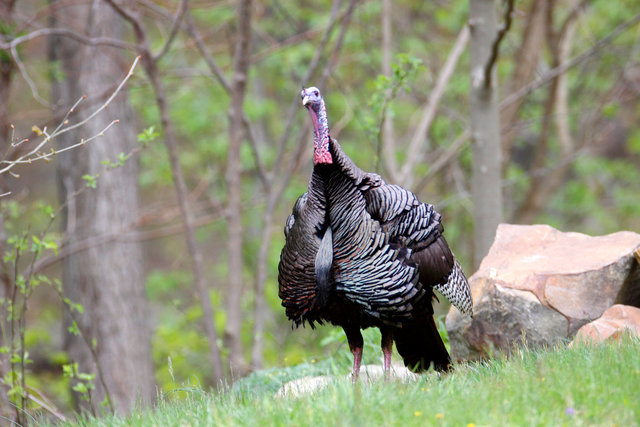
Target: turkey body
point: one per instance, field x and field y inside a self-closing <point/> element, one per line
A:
<point x="362" y="253"/>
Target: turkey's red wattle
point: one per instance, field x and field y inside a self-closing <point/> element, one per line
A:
<point x="321" y="152"/>
<point x="321" y="155"/>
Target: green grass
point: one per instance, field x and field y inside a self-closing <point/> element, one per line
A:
<point x="583" y="385"/>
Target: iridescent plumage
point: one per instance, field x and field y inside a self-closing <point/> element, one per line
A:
<point x="361" y="253"/>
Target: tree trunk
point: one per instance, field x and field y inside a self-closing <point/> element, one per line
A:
<point x="7" y="68"/>
<point x="107" y="279"/>
<point x="485" y="128"/>
<point x="233" y="327"/>
<point x="388" y="133"/>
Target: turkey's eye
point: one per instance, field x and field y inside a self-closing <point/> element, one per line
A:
<point x="316" y="93"/>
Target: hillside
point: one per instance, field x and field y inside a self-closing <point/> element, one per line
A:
<point x="582" y="385"/>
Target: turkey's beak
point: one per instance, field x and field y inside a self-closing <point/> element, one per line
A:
<point x="305" y="101"/>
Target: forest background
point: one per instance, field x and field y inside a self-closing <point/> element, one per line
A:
<point x="140" y="248"/>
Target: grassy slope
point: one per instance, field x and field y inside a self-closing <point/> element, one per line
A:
<point x="577" y="386"/>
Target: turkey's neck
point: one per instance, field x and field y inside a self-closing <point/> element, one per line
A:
<point x="321" y="139"/>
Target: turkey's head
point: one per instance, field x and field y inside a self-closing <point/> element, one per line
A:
<point x="313" y="102"/>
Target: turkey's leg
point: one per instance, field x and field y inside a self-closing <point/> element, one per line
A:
<point x="354" y="337"/>
<point x="387" y="347"/>
<point x="357" y="360"/>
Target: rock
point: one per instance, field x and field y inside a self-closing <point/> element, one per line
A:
<point x="611" y="325"/>
<point x="371" y="373"/>
<point x="540" y="285"/>
<point x="368" y="374"/>
<point x="302" y="386"/>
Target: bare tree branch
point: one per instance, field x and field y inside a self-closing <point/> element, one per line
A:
<point x="25" y="76"/>
<point x="454" y="148"/>
<point x="46" y="32"/>
<point x="557" y="106"/>
<point x="562" y="68"/>
<point x="444" y="159"/>
<point x="429" y="113"/>
<point x="45" y="403"/>
<point x="525" y="66"/>
<point x="335" y="54"/>
<point x="276" y="46"/>
<point x="175" y="26"/>
<point x="495" y="49"/>
<point x="295" y="105"/>
<point x="35" y="153"/>
<point x="213" y="66"/>
<point x="219" y="75"/>
<point x="126" y="234"/>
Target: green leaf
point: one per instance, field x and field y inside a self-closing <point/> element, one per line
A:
<point x="80" y="388"/>
<point x="48" y="211"/>
<point x="86" y="377"/>
<point x="69" y="369"/>
<point x="148" y="135"/>
<point x="73" y="329"/>
<point x="91" y="180"/>
<point x="51" y="245"/>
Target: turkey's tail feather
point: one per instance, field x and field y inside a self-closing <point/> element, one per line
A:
<point x="420" y="345"/>
<point x="456" y="289"/>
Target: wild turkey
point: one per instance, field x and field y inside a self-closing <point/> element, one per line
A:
<point x="362" y="253"/>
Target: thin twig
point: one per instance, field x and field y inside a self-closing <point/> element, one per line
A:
<point x="175" y="26"/>
<point x="429" y="112"/>
<point x="507" y="182"/>
<point x="94" y="354"/>
<point x="295" y="104"/>
<point x="213" y="66"/>
<point x="279" y="45"/>
<point x="43" y="32"/>
<point x="444" y="159"/>
<point x="46" y="404"/>
<point x="27" y="158"/>
<point x="25" y="76"/>
<point x="44" y="156"/>
<point x="124" y="235"/>
<point x="527" y="89"/>
<point x="68" y="113"/>
<point x="525" y="62"/>
<point x="554" y="72"/>
<point x="219" y="75"/>
<point x="335" y="54"/>
<point x="556" y="107"/>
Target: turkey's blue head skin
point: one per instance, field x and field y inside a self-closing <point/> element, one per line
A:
<point x="313" y="102"/>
